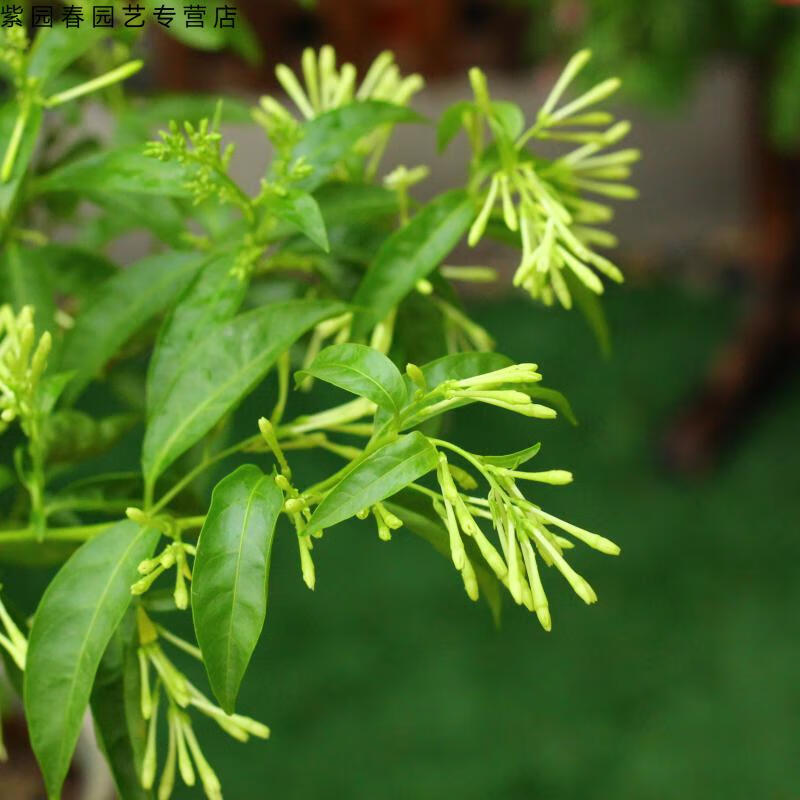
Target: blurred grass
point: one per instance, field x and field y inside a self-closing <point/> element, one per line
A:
<point x="681" y="682"/>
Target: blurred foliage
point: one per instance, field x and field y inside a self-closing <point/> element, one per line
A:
<point x="657" y="46"/>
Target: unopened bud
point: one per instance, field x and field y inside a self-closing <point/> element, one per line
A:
<point x="417" y="376"/>
<point x="137" y="515"/>
<point x="294" y="505"/>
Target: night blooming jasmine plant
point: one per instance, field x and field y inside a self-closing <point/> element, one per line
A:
<point x="199" y="355"/>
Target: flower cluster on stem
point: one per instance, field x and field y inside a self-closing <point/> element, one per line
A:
<point x="156" y="673"/>
<point x="543" y="201"/>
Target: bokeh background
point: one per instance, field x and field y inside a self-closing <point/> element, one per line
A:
<point x="682" y="682"/>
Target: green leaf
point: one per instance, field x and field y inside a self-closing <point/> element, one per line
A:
<point x="418" y="516"/>
<point x="363" y="371"/>
<point x="510" y="117"/>
<point x="450" y="123"/>
<point x="300" y="210"/>
<point x="51" y="388"/>
<point x="75" y="271"/>
<point x="76" y="618"/>
<point x="230" y="575"/>
<point x="116" y="709"/>
<point x="212" y="298"/>
<point x="409" y="254"/>
<point x="116" y="172"/>
<point x="234" y="357"/>
<point x="10" y="190"/>
<point x="380" y="475"/>
<point x="551" y="397"/>
<point x="25" y="280"/>
<point x="128" y="212"/>
<point x="513" y="460"/>
<point x="56" y="48"/>
<point x="331" y="135"/>
<point x="346" y="203"/>
<point x="240" y="37"/>
<point x="71" y="436"/>
<point x="591" y="308"/>
<point x="122" y="305"/>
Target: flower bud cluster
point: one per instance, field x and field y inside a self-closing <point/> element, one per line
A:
<point x="542" y="201"/>
<point x="200" y="149"/>
<point x="13" y="51"/>
<point x="521" y="528"/>
<point x="173" y="555"/>
<point x="385" y="520"/>
<point x="327" y="87"/>
<point x="21" y="366"/>
<point x="496" y="389"/>
<point x="184" y="754"/>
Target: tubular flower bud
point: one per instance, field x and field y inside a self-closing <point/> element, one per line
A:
<point x="13" y="640"/>
<point x="325" y="87"/>
<point x="149" y="762"/>
<point x="306" y="563"/>
<point x="268" y="432"/>
<point x="183" y="749"/>
<point x="543" y="202"/>
<point x="521" y="528"/>
<point x="21" y="369"/>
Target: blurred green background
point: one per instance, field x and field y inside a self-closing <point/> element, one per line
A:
<point x="682" y="682"/>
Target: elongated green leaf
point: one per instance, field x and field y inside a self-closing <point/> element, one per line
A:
<point x="513" y="460"/>
<point x="592" y="310"/>
<point x="382" y="474"/>
<point x="416" y="514"/>
<point x="363" y="371"/>
<point x="300" y="210"/>
<point x="122" y="305"/>
<point x="227" y="364"/>
<point x="116" y="171"/>
<point x="10" y="190"/>
<point x="25" y="280"/>
<point x="116" y="709"/>
<point x="212" y="298"/>
<point x="128" y="212"/>
<point x="331" y="136"/>
<point x="76" y="618"/>
<point x="450" y="123"/>
<point x="410" y="254"/>
<point x="55" y="48"/>
<point x="230" y="575"/>
<point x="71" y="436"/>
<point x="551" y="397"/>
<point x="510" y="117"/>
<point x="345" y="203"/>
<point x="75" y="271"/>
<point x="240" y="37"/>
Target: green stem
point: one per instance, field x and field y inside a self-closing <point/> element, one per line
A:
<point x="199" y="469"/>
<point x="75" y="533"/>
<point x="37" y="479"/>
<point x="101" y="82"/>
<point x="465" y="455"/>
<point x="88" y="504"/>
<point x="15" y="141"/>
